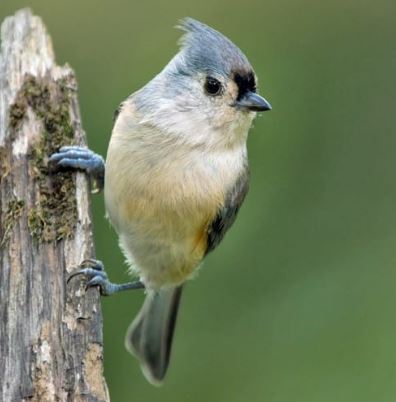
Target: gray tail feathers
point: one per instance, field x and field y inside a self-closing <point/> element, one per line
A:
<point x="149" y="337"/>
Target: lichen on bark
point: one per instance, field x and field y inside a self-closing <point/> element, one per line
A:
<point x="54" y="214"/>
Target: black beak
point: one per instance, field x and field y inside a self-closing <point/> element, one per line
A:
<point x="253" y="102"/>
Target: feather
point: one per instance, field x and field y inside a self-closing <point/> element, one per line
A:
<point x="150" y="335"/>
<point x="228" y="212"/>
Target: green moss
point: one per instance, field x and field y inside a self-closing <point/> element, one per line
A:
<point x="12" y="214"/>
<point x="38" y="225"/>
<point x="4" y="164"/>
<point x="54" y="214"/>
<point x="17" y="112"/>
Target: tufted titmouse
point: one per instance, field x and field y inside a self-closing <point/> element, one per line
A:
<point x="176" y="175"/>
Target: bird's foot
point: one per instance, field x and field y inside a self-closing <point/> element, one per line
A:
<point x="94" y="271"/>
<point x="76" y="157"/>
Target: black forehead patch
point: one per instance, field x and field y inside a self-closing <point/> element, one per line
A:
<point x="246" y="82"/>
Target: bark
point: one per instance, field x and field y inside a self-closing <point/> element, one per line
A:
<point x="50" y="332"/>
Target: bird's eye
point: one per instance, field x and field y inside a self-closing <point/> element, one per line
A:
<point x="212" y="86"/>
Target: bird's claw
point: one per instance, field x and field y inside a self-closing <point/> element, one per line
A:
<point x="80" y="158"/>
<point x="95" y="274"/>
<point x="94" y="271"/>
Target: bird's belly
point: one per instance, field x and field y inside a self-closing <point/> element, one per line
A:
<point x="164" y="245"/>
<point x="159" y="257"/>
<point x="162" y="226"/>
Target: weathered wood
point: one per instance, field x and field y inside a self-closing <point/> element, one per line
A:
<point x="50" y="333"/>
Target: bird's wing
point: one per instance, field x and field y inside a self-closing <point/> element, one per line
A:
<point x="226" y="215"/>
<point x="117" y="111"/>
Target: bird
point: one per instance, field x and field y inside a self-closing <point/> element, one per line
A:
<point x="175" y="176"/>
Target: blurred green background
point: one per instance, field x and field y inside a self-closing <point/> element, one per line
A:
<point x="299" y="302"/>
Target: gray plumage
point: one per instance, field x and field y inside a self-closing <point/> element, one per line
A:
<point x="206" y="50"/>
<point x="150" y="335"/>
<point x="203" y="51"/>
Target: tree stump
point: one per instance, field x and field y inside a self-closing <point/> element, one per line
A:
<point x="51" y="345"/>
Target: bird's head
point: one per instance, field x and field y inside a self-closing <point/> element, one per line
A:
<point x="207" y="94"/>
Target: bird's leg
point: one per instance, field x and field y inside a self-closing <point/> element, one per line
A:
<point x="76" y="157"/>
<point x="94" y="271"/>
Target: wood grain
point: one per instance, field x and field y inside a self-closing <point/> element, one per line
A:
<point x="51" y="345"/>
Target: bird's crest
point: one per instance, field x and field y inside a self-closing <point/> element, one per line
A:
<point x="209" y="51"/>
